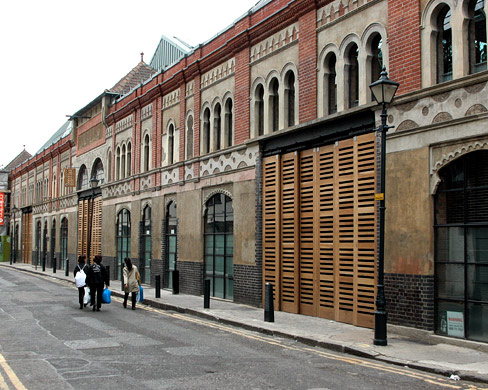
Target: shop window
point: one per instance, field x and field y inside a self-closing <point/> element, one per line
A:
<point x="123" y="233"/>
<point x="146" y="245"/>
<point x="171" y="243"/>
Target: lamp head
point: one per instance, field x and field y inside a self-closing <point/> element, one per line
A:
<point x="384" y="89"/>
<point x="93" y="182"/>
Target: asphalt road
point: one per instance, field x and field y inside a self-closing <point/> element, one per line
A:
<point x="46" y="342"/>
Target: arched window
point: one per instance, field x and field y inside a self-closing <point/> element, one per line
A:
<point x="352" y="76"/>
<point x="146" y="153"/>
<point x="44" y="244"/>
<point x="38" y="242"/>
<point x="123" y="239"/>
<point x="217" y="126"/>
<point x="53" y="243"/>
<point x="109" y="165"/>
<point x="64" y="239"/>
<point x="219" y="246"/>
<point x="477" y="36"/>
<point x="117" y="164"/>
<point x="122" y="163"/>
<point x="444" y="45"/>
<point x="229" y="123"/>
<point x="290" y="98"/>
<point x="274" y="104"/>
<point x="82" y="178"/>
<point x="97" y="171"/>
<point x="206" y="130"/>
<point x="146" y="245"/>
<point x="375" y="59"/>
<point x="129" y="159"/>
<point x="330" y="84"/>
<point x="461" y="247"/>
<point x="189" y="137"/>
<point x="259" y="110"/>
<point x="171" y="243"/>
<point x="171" y="144"/>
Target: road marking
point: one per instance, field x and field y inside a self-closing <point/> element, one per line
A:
<point x="426" y="377"/>
<point x="3" y="384"/>
<point x="11" y="374"/>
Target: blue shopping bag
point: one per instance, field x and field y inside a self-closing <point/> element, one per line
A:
<point x="106" y="296"/>
<point x="140" y="295"/>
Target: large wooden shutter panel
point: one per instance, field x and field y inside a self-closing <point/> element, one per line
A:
<point x="319" y="230"/>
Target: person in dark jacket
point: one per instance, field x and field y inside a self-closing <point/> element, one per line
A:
<point x="96" y="278"/>
<point x="81" y="266"/>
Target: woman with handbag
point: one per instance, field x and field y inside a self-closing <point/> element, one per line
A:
<point x="132" y="281"/>
<point x="80" y="280"/>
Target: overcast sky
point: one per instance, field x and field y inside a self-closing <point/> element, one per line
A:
<point x="58" y="55"/>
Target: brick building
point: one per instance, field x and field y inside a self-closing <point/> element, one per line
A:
<point x="253" y="158"/>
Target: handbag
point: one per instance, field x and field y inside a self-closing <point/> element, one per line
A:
<point x="106" y="296"/>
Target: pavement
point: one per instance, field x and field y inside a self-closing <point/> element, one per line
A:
<point x="407" y="347"/>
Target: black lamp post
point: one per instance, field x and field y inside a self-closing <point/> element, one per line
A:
<point x="13" y="252"/>
<point x="383" y="91"/>
<point x="93" y="185"/>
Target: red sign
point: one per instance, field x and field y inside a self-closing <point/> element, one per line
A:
<point x="2" y="207"/>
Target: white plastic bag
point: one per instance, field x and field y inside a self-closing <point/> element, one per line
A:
<point x="86" y="298"/>
<point x="80" y="278"/>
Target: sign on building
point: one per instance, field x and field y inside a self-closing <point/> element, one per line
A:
<point x="2" y="208"/>
<point x="69" y="177"/>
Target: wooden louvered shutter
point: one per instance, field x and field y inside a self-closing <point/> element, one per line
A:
<point x="96" y="237"/>
<point x="271" y="224"/>
<point x="307" y="237"/>
<point x="27" y="238"/>
<point x="83" y="218"/>
<point x="326" y="213"/>
<point x="290" y="238"/>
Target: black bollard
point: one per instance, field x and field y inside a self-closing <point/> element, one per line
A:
<point x="43" y="264"/>
<point x="206" y="294"/>
<point x="176" y="281"/>
<point x="54" y="267"/>
<point x="268" y="303"/>
<point x="66" y="266"/>
<point x="158" y="286"/>
<point x="107" y="267"/>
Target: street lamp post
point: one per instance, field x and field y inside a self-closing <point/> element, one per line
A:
<point x="93" y="185"/>
<point x="383" y="91"/>
<point x="13" y="253"/>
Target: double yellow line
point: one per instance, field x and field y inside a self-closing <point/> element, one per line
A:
<point x="11" y="376"/>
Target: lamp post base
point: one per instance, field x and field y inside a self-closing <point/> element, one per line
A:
<point x="380" y="328"/>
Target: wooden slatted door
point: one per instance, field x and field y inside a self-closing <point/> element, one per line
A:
<point x="96" y="237"/>
<point x="27" y="238"/>
<point x="84" y="211"/>
<point x="319" y="230"/>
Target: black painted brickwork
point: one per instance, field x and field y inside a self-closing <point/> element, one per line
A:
<point x="247" y="285"/>
<point x="410" y="300"/>
<point x="191" y="277"/>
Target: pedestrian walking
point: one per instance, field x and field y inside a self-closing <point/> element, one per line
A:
<point x="96" y="278"/>
<point x="80" y="278"/>
<point x="132" y="281"/>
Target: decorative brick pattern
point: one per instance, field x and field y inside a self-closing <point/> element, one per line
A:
<point x="410" y="300"/>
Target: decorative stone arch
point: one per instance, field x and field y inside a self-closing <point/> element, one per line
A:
<point x="344" y="67"/>
<point x="146" y="155"/>
<point x="169" y="145"/>
<point x="428" y="38"/>
<point x="449" y="158"/>
<point x="323" y="79"/>
<point x="366" y="55"/>
<point x="206" y="133"/>
<point x="273" y="114"/>
<point x="212" y="193"/>
<point x="284" y="93"/>
<point x="168" y="200"/>
<point x="94" y="172"/>
<point x="255" y="105"/>
<point x="144" y="204"/>
<point x="79" y="180"/>
<point x="228" y="123"/>
<point x="120" y="207"/>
